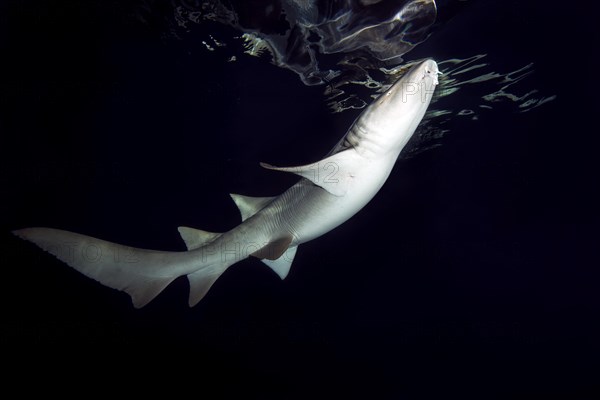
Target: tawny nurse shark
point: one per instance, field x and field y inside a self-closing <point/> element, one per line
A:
<point x="330" y="192"/>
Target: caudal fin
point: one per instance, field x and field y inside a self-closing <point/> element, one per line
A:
<point x="142" y="274"/>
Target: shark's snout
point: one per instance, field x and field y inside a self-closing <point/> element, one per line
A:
<point x="431" y="69"/>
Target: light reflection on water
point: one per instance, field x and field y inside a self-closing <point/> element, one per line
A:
<point x="354" y="49"/>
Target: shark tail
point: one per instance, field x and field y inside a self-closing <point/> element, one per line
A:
<point x="141" y="273"/>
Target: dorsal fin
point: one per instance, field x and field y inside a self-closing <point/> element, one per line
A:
<point x="282" y="265"/>
<point x="334" y="173"/>
<point x="195" y="238"/>
<point x="249" y="206"/>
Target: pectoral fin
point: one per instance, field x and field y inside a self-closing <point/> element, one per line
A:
<point x="334" y="173"/>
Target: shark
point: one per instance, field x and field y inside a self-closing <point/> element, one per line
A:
<point x="329" y="193"/>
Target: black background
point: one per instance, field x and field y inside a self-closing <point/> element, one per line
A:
<point x="475" y="269"/>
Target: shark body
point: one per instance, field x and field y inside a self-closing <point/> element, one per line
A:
<point x="330" y="192"/>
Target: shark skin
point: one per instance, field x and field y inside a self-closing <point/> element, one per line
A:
<point x="329" y="192"/>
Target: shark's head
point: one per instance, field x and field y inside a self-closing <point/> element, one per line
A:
<point x="413" y="91"/>
<point x="395" y="115"/>
<point x="425" y="76"/>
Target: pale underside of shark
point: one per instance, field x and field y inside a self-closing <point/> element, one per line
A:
<point x="330" y="192"/>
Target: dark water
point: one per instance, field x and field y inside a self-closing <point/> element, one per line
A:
<point x="474" y="270"/>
